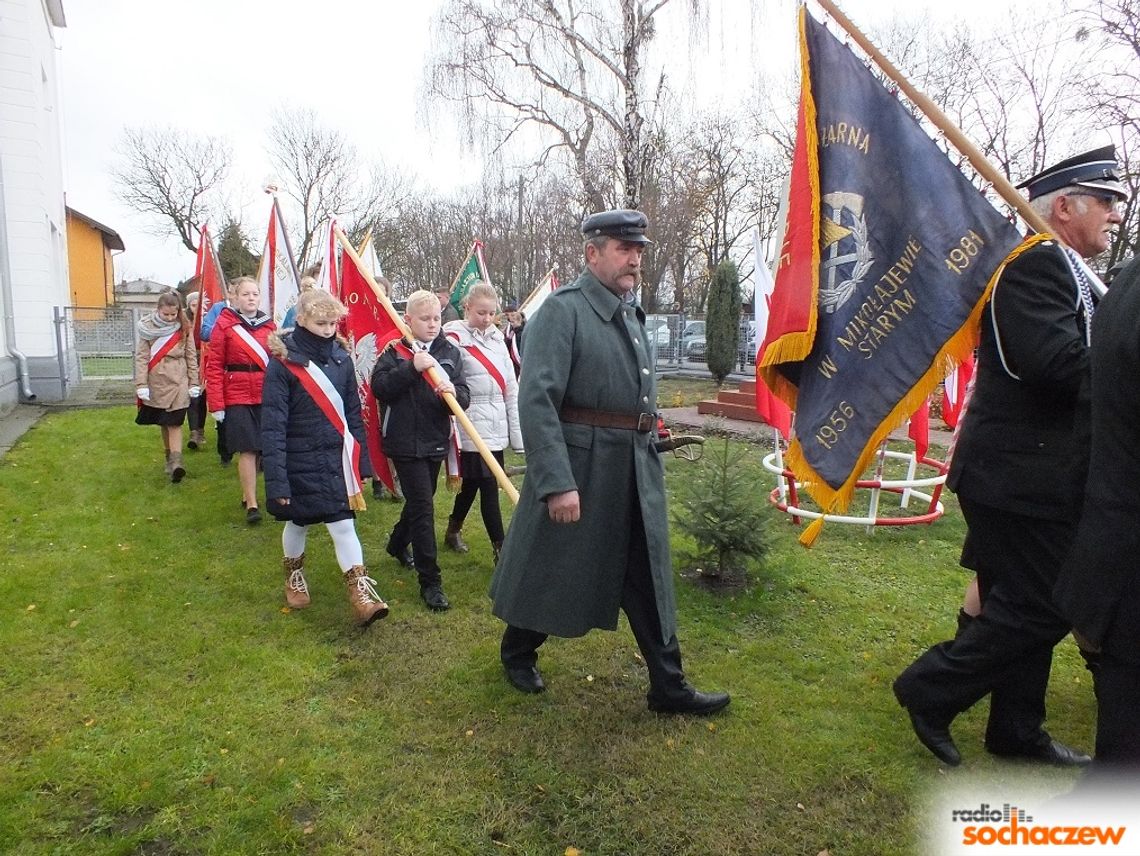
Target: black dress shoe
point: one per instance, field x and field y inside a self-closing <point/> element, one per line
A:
<point x="936" y="738"/>
<point x="434" y="598"/>
<point x="1046" y="752"/>
<point x="404" y="556"/>
<point x="526" y="679"/>
<point x="695" y="702"/>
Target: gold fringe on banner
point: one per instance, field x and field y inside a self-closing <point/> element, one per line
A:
<point x="956" y="349"/>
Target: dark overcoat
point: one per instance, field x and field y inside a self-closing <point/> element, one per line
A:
<point x="584" y="349"/>
<point x="300" y="448"/>
<point x="1023" y="446"/>
<point x="1099" y="587"/>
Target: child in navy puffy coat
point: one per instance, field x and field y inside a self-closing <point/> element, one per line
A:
<point x="314" y="454"/>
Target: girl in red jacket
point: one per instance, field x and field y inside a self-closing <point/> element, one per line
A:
<point x="235" y="373"/>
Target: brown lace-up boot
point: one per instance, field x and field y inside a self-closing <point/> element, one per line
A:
<point x="366" y="604"/>
<point x="296" y="589"/>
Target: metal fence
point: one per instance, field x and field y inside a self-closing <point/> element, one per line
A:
<point x="95" y="342"/>
<point x="679" y="342"/>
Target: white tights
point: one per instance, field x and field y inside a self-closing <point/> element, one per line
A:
<point x="349" y="553"/>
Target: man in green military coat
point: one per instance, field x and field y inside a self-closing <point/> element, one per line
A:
<point x="590" y="533"/>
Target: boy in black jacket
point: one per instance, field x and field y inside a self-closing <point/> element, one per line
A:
<point x="416" y="429"/>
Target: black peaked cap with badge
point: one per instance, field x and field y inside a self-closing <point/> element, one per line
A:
<point x="625" y="224"/>
<point x="1093" y="170"/>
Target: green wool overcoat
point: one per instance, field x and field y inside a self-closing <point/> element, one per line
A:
<point x="585" y="349"/>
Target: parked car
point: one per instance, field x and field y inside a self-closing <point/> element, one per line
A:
<point x="693" y="330"/>
<point x="696" y="348"/>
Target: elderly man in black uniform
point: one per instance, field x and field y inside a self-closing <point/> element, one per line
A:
<point x="1019" y="472"/>
<point x="1099" y="588"/>
<point x="590" y="534"/>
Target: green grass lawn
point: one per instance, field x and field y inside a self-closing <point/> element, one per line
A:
<point x="157" y="698"/>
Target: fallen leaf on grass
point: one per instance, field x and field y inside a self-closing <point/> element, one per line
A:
<point x="74" y="623"/>
<point x="572" y="851"/>
<point x="308" y="830"/>
<point x="669" y="744"/>
<point x="470" y="732"/>
<point x="800" y="806"/>
<point x="31" y="606"/>
<point x="285" y="610"/>
<point x="87" y="723"/>
<point x="711" y="726"/>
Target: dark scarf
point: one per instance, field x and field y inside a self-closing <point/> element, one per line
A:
<point x="312" y="346"/>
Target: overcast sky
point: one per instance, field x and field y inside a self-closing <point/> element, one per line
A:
<point x="222" y="66"/>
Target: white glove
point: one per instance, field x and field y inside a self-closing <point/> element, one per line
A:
<point x="195" y="391"/>
<point x="219" y="415"/>
<point x="144" y="393"/>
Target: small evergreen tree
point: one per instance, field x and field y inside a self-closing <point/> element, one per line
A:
<point x="722" y="322"/>
<point x="234" y="254"/>
<point x="722" y="510"/>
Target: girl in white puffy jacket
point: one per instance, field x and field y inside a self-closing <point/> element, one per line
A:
<point x="494" y="411"/>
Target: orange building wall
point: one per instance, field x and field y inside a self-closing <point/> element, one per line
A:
<point x="90" y="270"/>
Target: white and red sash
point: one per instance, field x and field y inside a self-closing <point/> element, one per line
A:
<point x="251" y="346"/>
<point x="159" y="349"/>
<point x="326" y="397"/>
<point x="491" y="368"/>
<point x="162" y="346"/>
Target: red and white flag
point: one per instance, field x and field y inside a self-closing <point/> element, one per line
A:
<point x="211" y="282"/>
<point x="954" y="391"/>
<point x="329" y="277"/>
<point x="277" y="273"/>
<point x="771" y="409"/>
<point x="369" y="329"/>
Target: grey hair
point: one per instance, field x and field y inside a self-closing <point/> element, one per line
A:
<point x="598" y="242"/>
<point x="1043" y="204"/>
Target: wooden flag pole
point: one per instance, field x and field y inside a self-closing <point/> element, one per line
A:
<point x="488" y="458"/>
<point x="961" y="142"/>
<point x="463" y="267"/>
<point x="364" y="243"/>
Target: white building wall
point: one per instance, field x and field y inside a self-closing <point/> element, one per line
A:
<point x="33" y="192"/>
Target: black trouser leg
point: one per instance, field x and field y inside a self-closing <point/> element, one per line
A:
<point x="224" y="453"/>
<point x="1005" y="648"/>
<point x="1117" y="724"/>
<point x="639" y="602"/>
<point x="519" y="648"/>
<point x="489" y="509"/>
<point x="1017" y="704"/>
<point x="196" y="413"/>
<point x="463" y="501"/>
<point x="418" y="477"/>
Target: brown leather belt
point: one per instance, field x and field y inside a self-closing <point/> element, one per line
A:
<point x="643" y="423"/>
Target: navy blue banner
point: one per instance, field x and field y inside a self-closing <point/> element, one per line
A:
<point x="907" y="247"/>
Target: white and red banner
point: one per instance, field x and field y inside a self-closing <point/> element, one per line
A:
<point x="277" y="274"/>
<point x="368" y="329"/>
<point x="771" y="409"/>
<point x="211" y="282"/>
<point x="329" y="276"/>
<point x="538" y="296"/>
<point x="370" y="257"/>
<point x="954" y="388"/>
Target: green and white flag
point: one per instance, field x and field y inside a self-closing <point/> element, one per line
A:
<point x="473" y="270"/>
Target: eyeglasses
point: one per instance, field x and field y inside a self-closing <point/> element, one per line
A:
<point x="1107" y="200"/>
